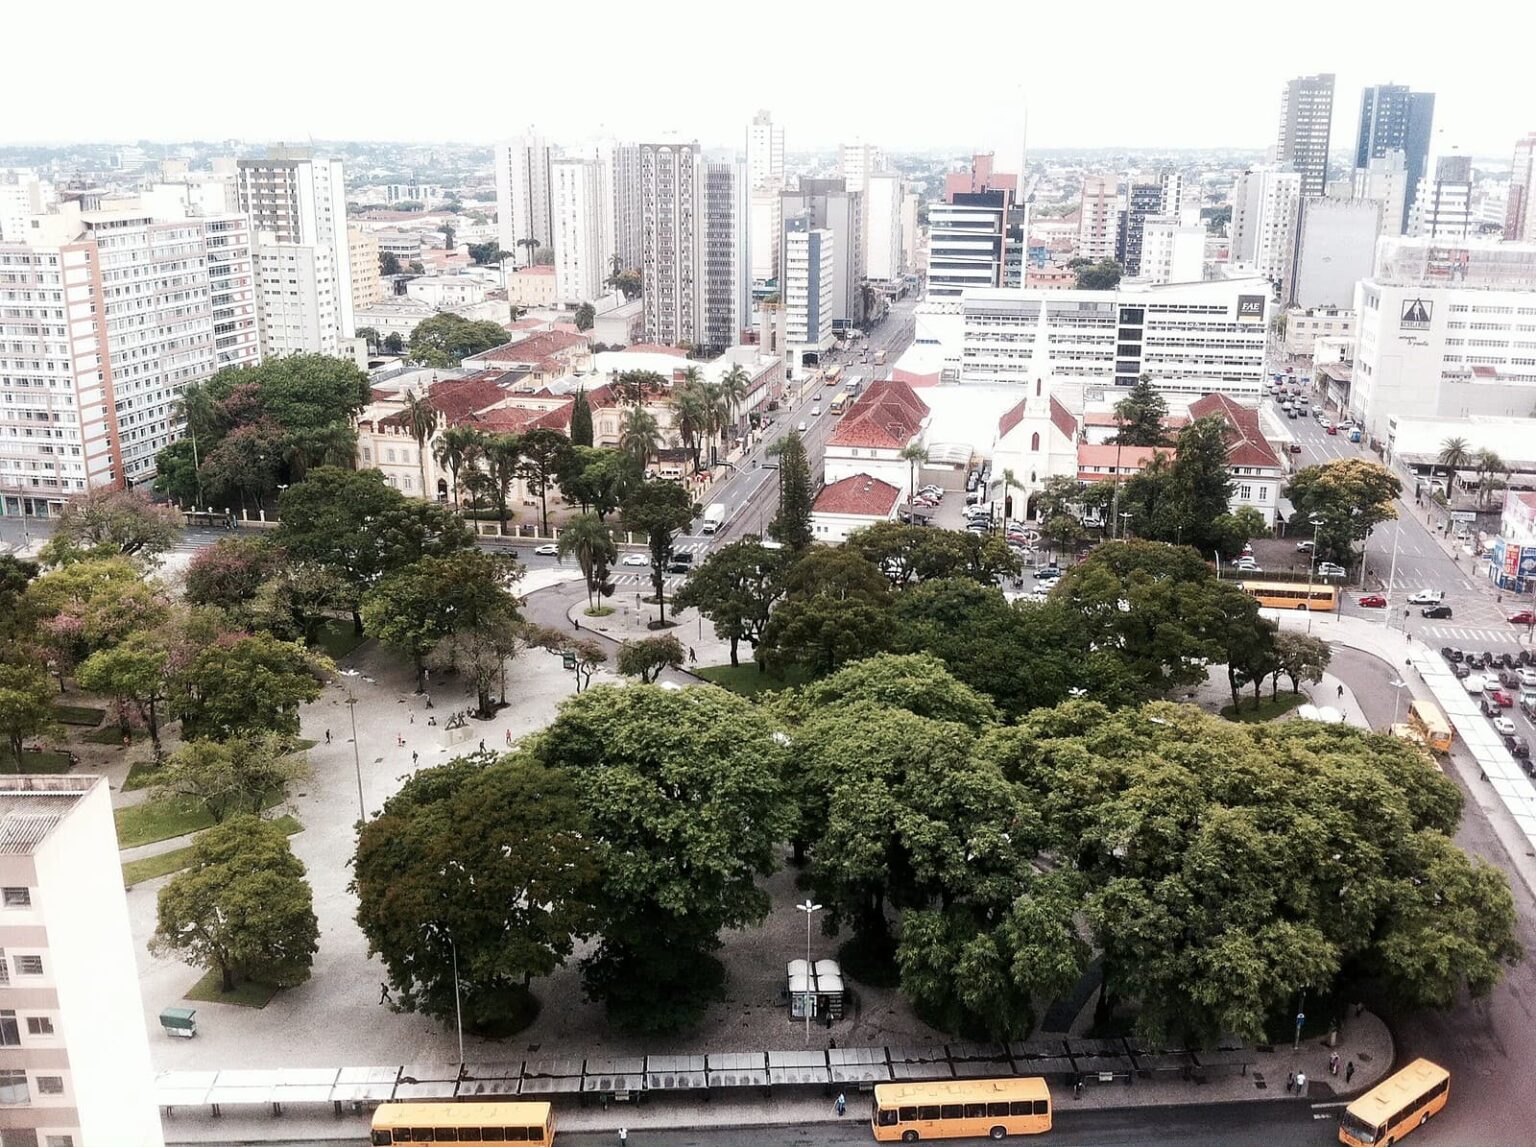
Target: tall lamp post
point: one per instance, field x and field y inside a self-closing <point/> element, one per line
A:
<point x="1397" y="697"/>
<point x="357" y="761"/>
<point x="810" y="910"/>
<point x="1317" y="525"/>
<point x="458" y="1011"/>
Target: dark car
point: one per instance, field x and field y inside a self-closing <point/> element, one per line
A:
<point x="1517" y="747"/>
<point x="1508" y="679"/>
<point x="1506" y="660"/>
<point x="1436" y="611"/>
<point x="1452" y="655"/>
<point x="1461" y="670"/>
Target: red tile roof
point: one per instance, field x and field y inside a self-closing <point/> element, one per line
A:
<point x="860" y="495"/>
<point x="504" y="419"/>
<point x="655" y="348"/>
<point x="457" y="398"/>
<point x="887" y="416"/>
<point x="540" y="270"/>
<point x="1062" y="419"/>
<point x="534" y="348"/>
<point x="1246" y="444"/>
<point x="1011" y="418"/>
<point x="528" y="325"/>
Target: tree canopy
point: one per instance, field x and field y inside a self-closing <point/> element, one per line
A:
<point x="1348" y="497"/>
<point x="104" y="523"/>
<point x="446" y="339"/>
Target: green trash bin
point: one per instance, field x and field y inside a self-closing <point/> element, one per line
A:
<point x="180" y="1022"/>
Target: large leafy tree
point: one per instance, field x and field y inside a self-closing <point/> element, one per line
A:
<point x="229" y="572"/>
<point x="838" y="609"/>
<point x="922" y="553"/>
<point x="103" y="523"/>
<point x="792" y="524"/>
<point x="736" y="587"/>
<point x="26" y="706"/>
<point x="683" y="794"/>
<point x="481" y="651"/>
<point x="597" y="478"/>
<point x="1349" y="497"/>
<point x="242" y="908"/>
<point x="658" y="509"/>
<point x="226" y="778"/>
<point x="446" y="339"/>
<point x="248" y="684"/>
<point x="648" y="656"/>
<point x="544" y="454"/>
<point x="495" y="859"/>
<point x="135" y="672"/>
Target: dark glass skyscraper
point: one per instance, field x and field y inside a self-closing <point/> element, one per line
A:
<point x="1392" y="118"/>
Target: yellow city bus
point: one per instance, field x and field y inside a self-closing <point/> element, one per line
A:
<point x="832" y="374"/>
<point x="839" y="402"/>
<point x="1426" y="719"/>
<point x="409" y="1124"/>
<point x="1396" y="1106"/>
<point x="961" y="1108"/>
<point x="1292" y="594"/>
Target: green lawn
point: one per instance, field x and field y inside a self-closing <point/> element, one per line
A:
<point x="246" y="995"/>
<point x="1268" y="709"/>
<point x="111" y="735"/>
<point x="746" y="680"/>
<point x="141" y="775"/>
<point x="160" y="820"/>
<point x="336" y="639"/>
<point x="164" y="863"/>
<point x="48" y="761"/>
<point x="78" y="715"/>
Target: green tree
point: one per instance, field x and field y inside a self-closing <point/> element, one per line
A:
<point x="250" y="684"/>
<point x="586" y="316"/>
<point x="445" y="339"/>
<point x="683" y="794"/>
<point x="1455" y="455"/>
<point x="421" y="419"/>
<point x="101" y="523"/>
<point x="1488" y="466"/>
<point x="591" y="542"/>
<point x="1101" y="276"/>
<point x="543" y="455"/>
<point x="648" y="656"/>
<point x="485" y="254"/>
<point x="494" y="858"/>
<point x="736" y="587"/>
<point x="914" y="454"/>
<point x="838" y="609"/>
<point x="26" y="707"/>
<point x="792" y="524"/>
<point x="456" y="448"/>
<point x="136" y="672"/>
<point x="242" y="908"/>
<point x="389" y="264"/>
<point x="922" y="553"/>
<point x="597" y="478"/>
<point x="503" y="454"/>
<point x="369" y="335"/>
<point x="246" y="466"/>
<point x="393" y="342"/>
<point x="581" y="419"/>
<point x="1300" y="657"/>
<point x="1200" y="486"/>
<point x="1350" y="497"/>
<point x="1139" y="416"/>
<point x="1233" y="530"/>
<point x="480" y="652"/>
<point x="658" y="510"/>
<point x="227" y="778"/>
<point x="639" y="434"/>
<point x="735" y="384"/>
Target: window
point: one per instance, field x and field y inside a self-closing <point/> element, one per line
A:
<point x="29" y="965"/>
<point x="50" y="1085"/>
<point x="1042" y="1106"/>
<point x="928" y="1111"/>
<point x="10" y="1031"/>
<point x="39" y="1025"/>
<point x="997" y="1110"/>
<point x="1034" y="441"/>
<point x="975" y="1110"/>
<point x="909" y="1114"/>
<point x="1020" y="1107"/>
<point x="59" y="1141"/>
<point x="13" y="1086"/>
<point x="18" y="898"/>
<point x="951" y="1111"/>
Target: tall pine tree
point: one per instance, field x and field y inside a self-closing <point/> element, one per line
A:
<point x="792" y="525"/>
<point x="581" y="420"/>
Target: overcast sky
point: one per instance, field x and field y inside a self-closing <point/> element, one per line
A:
<point x="902" y="75"/>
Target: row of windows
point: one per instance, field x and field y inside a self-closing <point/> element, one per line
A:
<point x="458" y="1135"/>
<point x="925" y="1112"/>
<point x="10" y="1028"/>
<point x="14" y="1089"/>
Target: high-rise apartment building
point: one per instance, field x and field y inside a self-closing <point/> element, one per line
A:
<point x="723" y="247"/>
<point x="22" y="195"/>
<point x="765" y="210"/>
<point x="297" y="301"/>
<point x="294" y="198"/>
<point x="1141" y="200"/>
<point x="765" y="151"/>
<point x="1393" y="118"/>
<point x="74" y="1055"/>
<point x="621" y="180"/>
<point x="882" y="219"/>
<point x="363" y="255"/>
<point x="966" y="242"/>
<point x="522" y="196"/>
<point x="808" y="288"/>
<point x="840" y="209"/>
<point x="1385" y="179"/>
<point x="856" y="162"/>
<point x="671" y="203"/>
<point x="234" y="288"/>
<point x="1097" y="218"/>
<point x="1442" y="209"/>
<point x="1520" y="213"/>
<point x="1265" y="202"/>
<point x="1306" y="123"/>
<point x="577" y="210"/>
<point x="1172" y="251"/>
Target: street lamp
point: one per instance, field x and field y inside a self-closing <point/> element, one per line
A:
<point x="1125" y="523"/>
<point x="1317" y="525"/>
<point x="810" y="910"/>
<point x="357" y="761"/>
<point x="458" y="1012"/>
<point x="1397" y="697"/>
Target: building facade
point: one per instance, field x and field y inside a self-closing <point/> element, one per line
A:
<point x="1395" y="119"/>
<point x="523" y="221"/>
<point x="840" y="209"/>
<point x="723" y="244"/>
<point x="297" y="301"/>
<point x="363" y="256"/>
<point x="1385" y="179"/>
<point x="1097" y="218"/>
<point x="1442" y="207"/>
<point x="74" y="1055"/>
<point x="1306" y="123"/>
<point x="1335" y="249"/>
<point x="577" y="229"/>
<point x="765" y="151"/>
<point x="807" y="289"/>
<point x="672" y="203"/>
<point x="966" y="239"/>
<point x="621" y="174"/>
<point x="1172" y="251"/>
<point x="1142" y="200"/>
<point x="1519" y="214"/>
<point x="882" y="217"/>
<point x="1265" y="202"/>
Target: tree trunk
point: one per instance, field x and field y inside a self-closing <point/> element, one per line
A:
<point x="152" y="719"/>
<point x="1295" y="682"/>
<point x="16" y="752"/>
<point x="421" y="673"/>
<point x="734" y="661"/>
<point x="544" y="507"/>
<point x="1258" y="700"/>
<point x="227" y="977"/>
<point x="1232" y="684"/>
<point x="357" y="622"/>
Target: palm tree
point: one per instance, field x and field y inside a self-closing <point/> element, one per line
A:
<point x="639" y="435"/>
<point x="734" y="384"/>
<point x="690" y="418"/>
<point x="915" y="454"/>
<point x="502" y="454"/>
<point x="1454" y="456"/>
<point x="591" y="540"/>
<point x="532" y="244"/>
<point x="421" y="421"/>
<point x="717" y="415"/>
<point x="453" y="450"/>
<point x="1488" y="464"/>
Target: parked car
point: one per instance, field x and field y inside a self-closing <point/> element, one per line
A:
<point x="1451" y="655"/>
<point x="1047" y="571"/>
<point x="1500" y="698"/>
<point x="1474" y="683"/>
<point x="1330" y="569"/>
<point x="1305" y="547"/>
<point x="1504" y="725"/>
<point x="1373" y="601"/>
<point x="1441" y="611"/>
<point x="1427" y="597"/>
<point x="547" y="550"/>
<point x="1526" y="674"/>
<point x="1524" y="617"/>
<point x="1518" y="749"/>
<point x="635" y="560"/>
<point x="1461" y="670"/>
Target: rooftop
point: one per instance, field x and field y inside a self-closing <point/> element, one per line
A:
<point x="1246" y="444"/>
<point x="887" y="415"/>
<point x="31" y="807"/>
<point x="858" y="495"/>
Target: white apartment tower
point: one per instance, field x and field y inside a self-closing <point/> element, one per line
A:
<point x="22" y="195"/>
<point x="234" y="288"/>
<point x="1306" y="122"/>
<point x="856" y="162"/>
<point x="1265" y="202"/>
<point x="882" y="218"/>
<point x="522" y="196"/>
<point x="765" y="180"/>
<point x="671" y="205"/>
<point x="723" y="247"/>
<point x="765" y="151"/>
<point x="74" y="1055"/>
<point x="1098" y="217"/>
<point x="298" y="305"/>
<point x="1442" y="209"/>
<point x="363" y="257"/>
<point x="579" y="229"/>
<point x="808" y="289"/>
<point x="621" y="188"/>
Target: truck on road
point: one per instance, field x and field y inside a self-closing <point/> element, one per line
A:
<point x="714" y="518"/>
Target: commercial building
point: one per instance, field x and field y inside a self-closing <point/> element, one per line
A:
<point x="1520" y="214"/>
<point x="807" y="290"/>
<point x="765" y="227"/>
<point x="363" y="255"/>
<point x="882" y="216"/>
<point x="1306" y="122"/>
<point x="838" y="208"/>
<point x="1335" y="249"/>
<point x="295" y="199"/>
<point x="1385" y="179"/>
<point x="671" y="203"/>
<point x="578" y="229"/>
<point x="1304" y="326"/>
<point x="523" y="215"/>
<point x="74" y="1055"/>
<point x="1098" y="218"/>
<point x="1172" y="251"/>
<point x="726" y="301"/>
<point x="1395" y="119"/>
<point x="1141" y="200"/>
<point x="1447" y="330"/>
<point x="1442" y="207"/>
<point x="966" y="239"/>
<point x="1265" y="201"/>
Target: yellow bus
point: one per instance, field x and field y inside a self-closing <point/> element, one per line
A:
<point x="1396" y="1106"/>
<point x="1425" y="718"/>
<point x="961" y="1108"/>
<point x="409" y="1124"/>
<point x="1292" y="594"/>
<point x="832" y="374"/>
<point x="839" y="402"/>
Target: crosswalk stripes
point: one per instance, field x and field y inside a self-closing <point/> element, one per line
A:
<point x="691" y="548"/>
<point x="1462" y="633"/>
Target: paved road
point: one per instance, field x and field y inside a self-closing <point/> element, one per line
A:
<point x="1489" y="1045"/>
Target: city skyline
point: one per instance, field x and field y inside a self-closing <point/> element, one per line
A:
<point x="1192" y="96"/>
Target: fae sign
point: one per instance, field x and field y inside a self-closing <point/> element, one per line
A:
<point x="1250" y="308"/>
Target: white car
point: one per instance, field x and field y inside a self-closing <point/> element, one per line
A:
<point x="802" y="428"/>
<point x="1330" y="569"/>
<point x="1427" y="597"/>
<point x="1475" y="684"/>
<point x="547" y="550"/>
<point x="815" y="410"/>
<point x="635" y="560"/>
<point x="1526" y="676"/>
<point x="1504" y="725"/>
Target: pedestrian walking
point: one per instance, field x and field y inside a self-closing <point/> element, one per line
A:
<point x="415" y="756"/>
<point x="412" y="717"/>
<point x="692" y="657"/>
<point x="1301" y="1083"/>
<point x="1341" y="692"/>
<point x="327" y="736"/>
<point x="1290" y="1082"/>
<point x="508" y="738"/>
<point x="623" y="1135"/>
<point x="841" y="1105"/>
<point x="1333" y="1063"/>
<point x="1349" y="1072"/>
<point x="482" y="744"/>
<point x="383" y="992"/>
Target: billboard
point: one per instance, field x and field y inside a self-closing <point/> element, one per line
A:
<point x="1250" y="308"/>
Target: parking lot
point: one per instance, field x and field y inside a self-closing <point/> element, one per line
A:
<point x="1504" y="684"/>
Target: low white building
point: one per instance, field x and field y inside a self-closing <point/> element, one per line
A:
<point x="887" y="418"/>
<point x="850" y="504"/>
<point x="1256" y="468"/>
<point x="444" y="292"/>
<point x="1305" y="325"/>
